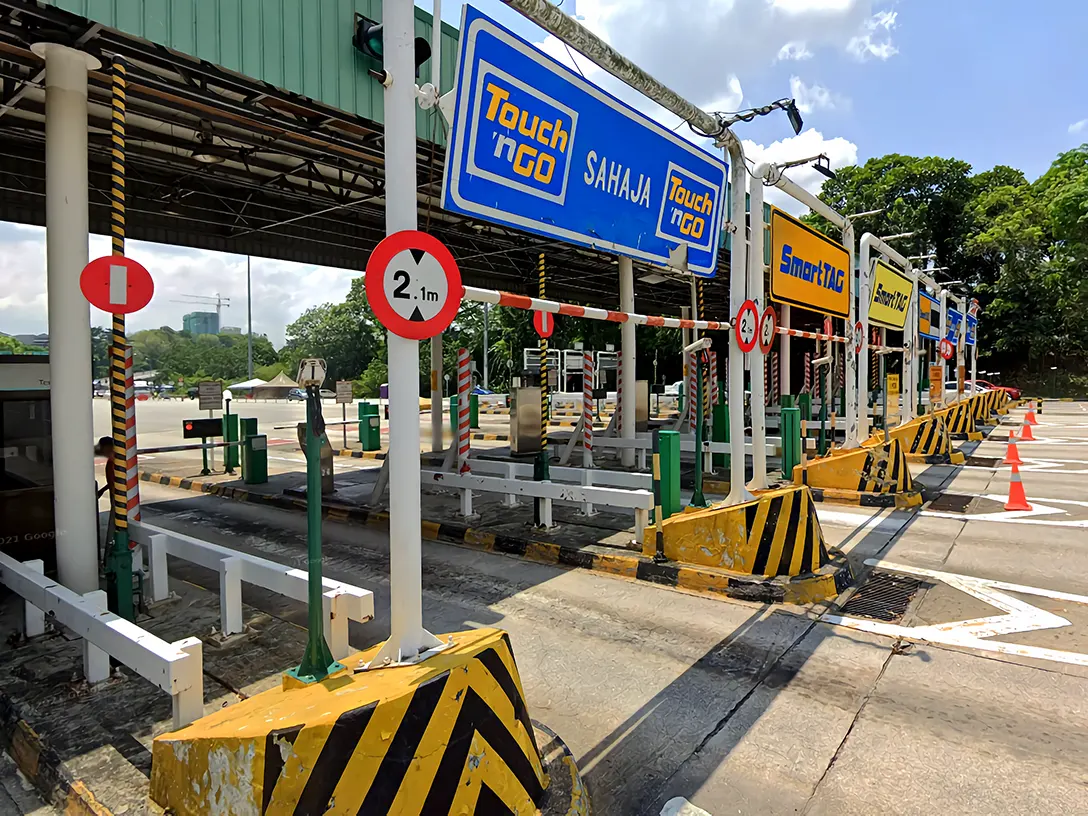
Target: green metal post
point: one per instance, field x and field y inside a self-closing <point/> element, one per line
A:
<point x="453" y="418"/>
<point x="317" y="662"/>
<point x="474" y="411"/>
<point x="787" y="401"/>
<point x="697" y="498"/>
<point x="669" y="446"/>
<point x="720" y="431"/>
<point x="791" y="440"/>
<point x="231" y="456"/>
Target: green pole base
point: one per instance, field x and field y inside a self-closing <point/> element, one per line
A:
<point x="119" y="578"/>
<point x="305" y="673"/>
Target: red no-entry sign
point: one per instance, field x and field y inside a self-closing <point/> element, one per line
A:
<point x="946" y="349"/>
<point x="116" y="284"/>
<point x="544" y="323"/>
<point x="413" y="284"/>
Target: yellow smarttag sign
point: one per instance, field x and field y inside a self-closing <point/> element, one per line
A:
<point x="808" y="269"/>
<point x="890" y="296"/>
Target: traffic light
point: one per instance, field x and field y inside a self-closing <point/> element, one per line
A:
<point x="367" y="40"/>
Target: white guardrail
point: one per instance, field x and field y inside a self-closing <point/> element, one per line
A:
<point x="177" y="668"/>
<point x="341" y="602"/>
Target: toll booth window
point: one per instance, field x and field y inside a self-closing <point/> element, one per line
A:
<point x="26" y="453"/>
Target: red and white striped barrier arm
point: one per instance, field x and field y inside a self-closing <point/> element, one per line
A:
<point x="587" y="408"/>
<point x="132" y="469"/>
<point x="498" y="298"/>
<point x="834" y="338"/>
<point x="464" y="386"/>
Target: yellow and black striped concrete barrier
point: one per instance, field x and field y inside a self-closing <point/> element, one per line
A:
<point x="449" y="735"/>
<point x="877" y="476"/>
<point x="961" y="421"/>
<point x="925" y="440"/>
<point x="775" y="534"/>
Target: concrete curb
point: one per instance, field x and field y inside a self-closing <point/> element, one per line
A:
<point x="902" y="501"/>
<point x="43" y="767"/>
<point x="826" y="583"/>
<point x="567" y="794"/>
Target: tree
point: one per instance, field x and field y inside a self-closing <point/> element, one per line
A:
<point x="9" y="345"/>
<point x="100" y="353"/>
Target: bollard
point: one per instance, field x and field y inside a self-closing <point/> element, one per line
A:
<point x="255" y="459"/>
<point x="669" y="453"/>
<point x="230" y="434"/>
<point x="787" y="401"/>
<point x="474" y="411"/>
<point x="370" y="429"/>
<point x="804" y="402"/>
<point x="453" y="416"/>
<point x="791" y="440"/>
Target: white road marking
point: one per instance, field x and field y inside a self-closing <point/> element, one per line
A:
<point x="973" y="633"/>
<point x="1019" y="516"/>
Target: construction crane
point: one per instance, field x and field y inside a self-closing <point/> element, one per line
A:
<point x="203" y="300"/>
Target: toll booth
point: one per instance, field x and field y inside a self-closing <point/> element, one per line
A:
<point x="530" y="370"/>
<point x="608" y="369"/>
<point x="26" y="460"/>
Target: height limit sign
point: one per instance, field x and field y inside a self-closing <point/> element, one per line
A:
<point x="413" y="285"/>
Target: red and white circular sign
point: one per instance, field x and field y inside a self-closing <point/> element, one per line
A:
<point x="767" y="326"/>
<point x="413" y="284"/>
<point x="946" y="349"/>
<point x="745" y="326"/>
<point x="544" y="323"/>
<point x="116" y="284"/>
<point x="859" y="337"/>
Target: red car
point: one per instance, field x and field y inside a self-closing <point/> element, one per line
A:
<point x="1014" y="393"/>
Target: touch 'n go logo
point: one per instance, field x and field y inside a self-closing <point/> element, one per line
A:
<point x="687" y="209"/>
<point x="523" y="138"/>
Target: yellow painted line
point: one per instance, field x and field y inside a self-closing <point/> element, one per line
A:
<point x="542" y="551"/>
<point x="700" y="581"/>
<point x="430" y="530"/>
<point x="480" y="539"/>
<point x="624" y="566"/>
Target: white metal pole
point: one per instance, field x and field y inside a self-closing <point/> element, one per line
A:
<point x="487" y="307"/>
<point x="960" y="338"/>
<point x="66" y="219"/>
<point x="944" y="334"/>
<point x="249" y="314"/>
<point x="785" y="371"/>
<point x="436" y="46"/>
<point x="437" y="394"/>
<point x="850" y="354"/>
<point x="759" y="360"/>
<point x="407" y="637"/>
<point x="737" y="278"/>
<point x="627" y="360"/>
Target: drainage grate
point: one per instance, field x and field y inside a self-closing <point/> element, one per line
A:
<point x="983" y="461"/>
<point x="884" y="596"/>
<point x="951" y="503"/>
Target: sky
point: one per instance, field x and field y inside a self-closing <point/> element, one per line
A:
<point x="985" y="81"/>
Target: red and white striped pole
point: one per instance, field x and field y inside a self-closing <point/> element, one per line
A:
<point x="132" y="469"/>
<point x="776" y="386"/>
<point x="693" y="392"/>
<point x="464" y="386"/>
<point x="587" y="409"/>
<point x="807" y="388"/>
<point x="715" y="396"/>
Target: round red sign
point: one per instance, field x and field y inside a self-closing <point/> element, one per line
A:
<point x="767" y="326"/>
<point x="413" y="284"/>
<point x="946" y="349"/>
<point x="859" y="337"/>
<point x="746" y="324"/>
<point x="116" y="284"/>
<point x="544" y="323"/>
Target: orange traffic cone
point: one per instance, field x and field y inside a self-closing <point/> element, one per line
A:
<point x="1025" y="433"/>
<point x="1017" y="499"/>
<point x="1012" y="455"/>
<point x="1029" y="417"/>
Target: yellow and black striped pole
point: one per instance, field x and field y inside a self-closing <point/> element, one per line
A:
<point x="119" y="560"/>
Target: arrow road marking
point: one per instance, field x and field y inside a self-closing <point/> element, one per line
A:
<point x="973" y="633"/>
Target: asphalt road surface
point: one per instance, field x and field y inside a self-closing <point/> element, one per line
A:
<point x="747" y="709"/>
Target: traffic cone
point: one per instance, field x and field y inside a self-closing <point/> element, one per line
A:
<point x="1017" y="499"/>
<point x="1029" y="417"/>
<point x="1012" y="455"/>
<point x="1025" y="433"/>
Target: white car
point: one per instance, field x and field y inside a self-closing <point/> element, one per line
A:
<point x="970" y="388"/>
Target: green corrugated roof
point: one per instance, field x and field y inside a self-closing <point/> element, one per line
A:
<point x="303" y="46"/>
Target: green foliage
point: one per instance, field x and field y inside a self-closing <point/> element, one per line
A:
<point x="369" y="383"/>
<point x="177" y="355"/>
<point x="269" y="372"/>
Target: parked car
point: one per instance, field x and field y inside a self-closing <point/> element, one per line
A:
<point x="675" y="389"/>
<point x="481" y="391"/>
<point x="327" y="394"/>
<point x="952" y="389"/>
<point x="296" y="395"/>
<point x="1014" y="393"/>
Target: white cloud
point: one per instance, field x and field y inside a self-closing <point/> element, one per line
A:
<point x="1079" y="127"/>
<point x="875" y="37"/>
<point x="839" y="151"/>
<point x="281" y="290"/>
<point x="794" y="51"/>
<point x="814" y="97"/>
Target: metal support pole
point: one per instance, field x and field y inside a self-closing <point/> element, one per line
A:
<point x="659" y="540"/>
<point x="437" y="394"/>
<point x="785" y="370"/>
<point x="66" y="220"/>
<point x="249" y="319"/>
<point x="119" y="558"/>
<point x="317" y="661"/>
<point x="541" y="473"/>
<point x="626" y="397"/>
<point x="407" y="637"/>
<point x="487" y="308"/>
<point x="759" y="360"/>
<point x="738" y="265"/>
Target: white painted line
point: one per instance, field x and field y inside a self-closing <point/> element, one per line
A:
<point x="679" y="806"/>
<point x="118" y="285"/>
<point x="881" y="522"/>
<point x="975" y="633"/>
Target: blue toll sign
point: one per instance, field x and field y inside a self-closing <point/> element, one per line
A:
<point x="537" y="147"/>
<point x="972" y="330"/>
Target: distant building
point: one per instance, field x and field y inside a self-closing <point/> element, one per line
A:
<point x="33" y="340"/>
<point x="200" y="323"/>
<point x="230" y="330"/>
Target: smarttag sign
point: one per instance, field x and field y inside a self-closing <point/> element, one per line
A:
<point x="808" y="269"/>
<point x="890" y="296"/>
<point x="955" y="317"/>
<point x="537" y="147"/>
